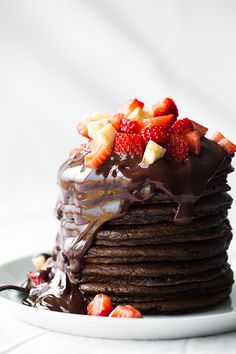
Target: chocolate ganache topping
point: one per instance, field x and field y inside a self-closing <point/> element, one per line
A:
<point x="89" y="198"/>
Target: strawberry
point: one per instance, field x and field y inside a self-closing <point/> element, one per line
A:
<point x="88" y="147"/>
<point x="177" y="147"/>
<point x="126" y="311"/>
<point x="164" y="107"/>
<point x="200" y="129"/>
<point x="162" y="121"/>
<point x="116" y="120"/>
<point x="129" y="126"/>
<point x="82" y="129"/>
<point x="194" y="142"/>
<point x="225" y="143"/>
<point x="35" y="278"/>
<point x="182" y="126"/>
<point x="132" y="104"/>
<point x="100" y="306"/>
<point x="217" y="137"/>
<point x="97" y="156"/>
<point x="155" y="133"/>
<point x="129" y="144"/>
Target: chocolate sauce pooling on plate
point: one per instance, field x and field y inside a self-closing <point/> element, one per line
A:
<point x="89" y="198"/>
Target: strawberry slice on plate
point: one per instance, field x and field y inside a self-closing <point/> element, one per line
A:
<point x="164" y="107"/>
<point x="100" y="306"/>
<point x="97" y="156"/>
<point x="126" y="311"/>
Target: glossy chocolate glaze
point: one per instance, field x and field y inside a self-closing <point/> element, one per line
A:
<point x="89" y="198"/>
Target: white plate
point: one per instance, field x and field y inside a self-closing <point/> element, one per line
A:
<point x="218" y="320"/>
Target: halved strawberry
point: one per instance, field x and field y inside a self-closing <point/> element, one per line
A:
<point x="128" y="144"/>
<point x="126" y="311"/>
<point x="116" y="119"/>
<point x="82" y="128"/>
<point x="162" y="121"/>
<point x="100" y="306"/>
<point x="155" y="133"/>
<point x="97" y="156"/>
<point x="164" y="107"/>
<point x="182" y="126"/>
<point x="200" y="129"/>
<point x="225" y="143"/>
<point x="217" y="137"/>
<point x="177" y="147"/>
<point x="35" y="278"/>
<point x="129" y="126"/>
<point x="194" y="142"/>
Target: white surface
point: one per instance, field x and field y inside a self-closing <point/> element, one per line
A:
<point x="217" y="320"/>
<point x="61" y="59"/>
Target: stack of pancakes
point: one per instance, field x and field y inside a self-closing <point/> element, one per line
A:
<point x="147" y="260"/>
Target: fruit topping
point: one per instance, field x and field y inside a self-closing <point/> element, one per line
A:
<point x="162" y="121"/>
<point x="100" y="306"/>
<point x="116" y="119"/>
<point x="128" y="144"/>
<point x="126" y="311"/>
<point x="194" y="142"/>
<point x="39" y="261"/>
<point x="164" y="107"/>
<point x="95" y="126"/>
<point x="105" y="136"/>
<point x="225" y="143"/>
<point x="97" y="156"/>
<point x="132" y="104"/>
<point x="129" y="126"/>
<point x="137" y="114"/>
<point x="200" y="129"/>
<point x="82" y="127"/>
<point x="177" y="147"/>
<point x="152" y="153"/>
<point x="35" y="279"/>
<point x="182" y="126"/>
<point x="155" y="133"/>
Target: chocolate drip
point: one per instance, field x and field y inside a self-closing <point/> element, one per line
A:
<point x="90" y="198"/>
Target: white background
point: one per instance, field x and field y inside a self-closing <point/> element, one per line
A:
<point x="62" y="59"/>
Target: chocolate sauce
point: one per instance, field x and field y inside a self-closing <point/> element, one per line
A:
<point x="90" y="198"/>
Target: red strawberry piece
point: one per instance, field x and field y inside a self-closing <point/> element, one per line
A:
<point x="200" y="129"/>
<point x="155" y="133"/>
<point x="97" y="156"/>
<point x="217" y="137"/>
<point x="225" y="143"/>
<point x="182" y="126"/>
<point x="82" y="128"/>
<point x="177" y="147"/>
<point x="164" y="107"/>
<point x="194" y="142"/>
<point x="129" y="126"/>
<point x="129" y="144"/>
<point x="35" y="278"/>
<point x="100" y="306"/>
<point x="132" y="104"/>
<point x="162" y="121"/>
<point x="126" y="311"/>
<point x="116" y="120"/>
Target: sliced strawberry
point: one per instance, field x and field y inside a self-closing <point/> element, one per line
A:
<point x="177" y="147"/>
<point x="82" y="129"/>
<point x="129" y="144"/>
<point x="116" y="120"/>
<point x="35" y="278"/>
<point x="126" y="311"/>
<point x="97" y="156"/>
<point x="100" y="306"/>
<point x="132" y="104"/>
<point x="88" y="147"/>
<point x="217" y="137"/>
<point x="129" y="126"/>
<point x="164" y="107"/>
<point x="155" y="133"/>
<point x="200" y="129"/>
<point x="182" y="126"/>
<point x="194" y="142"/>
<point x="162" y="121"/>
